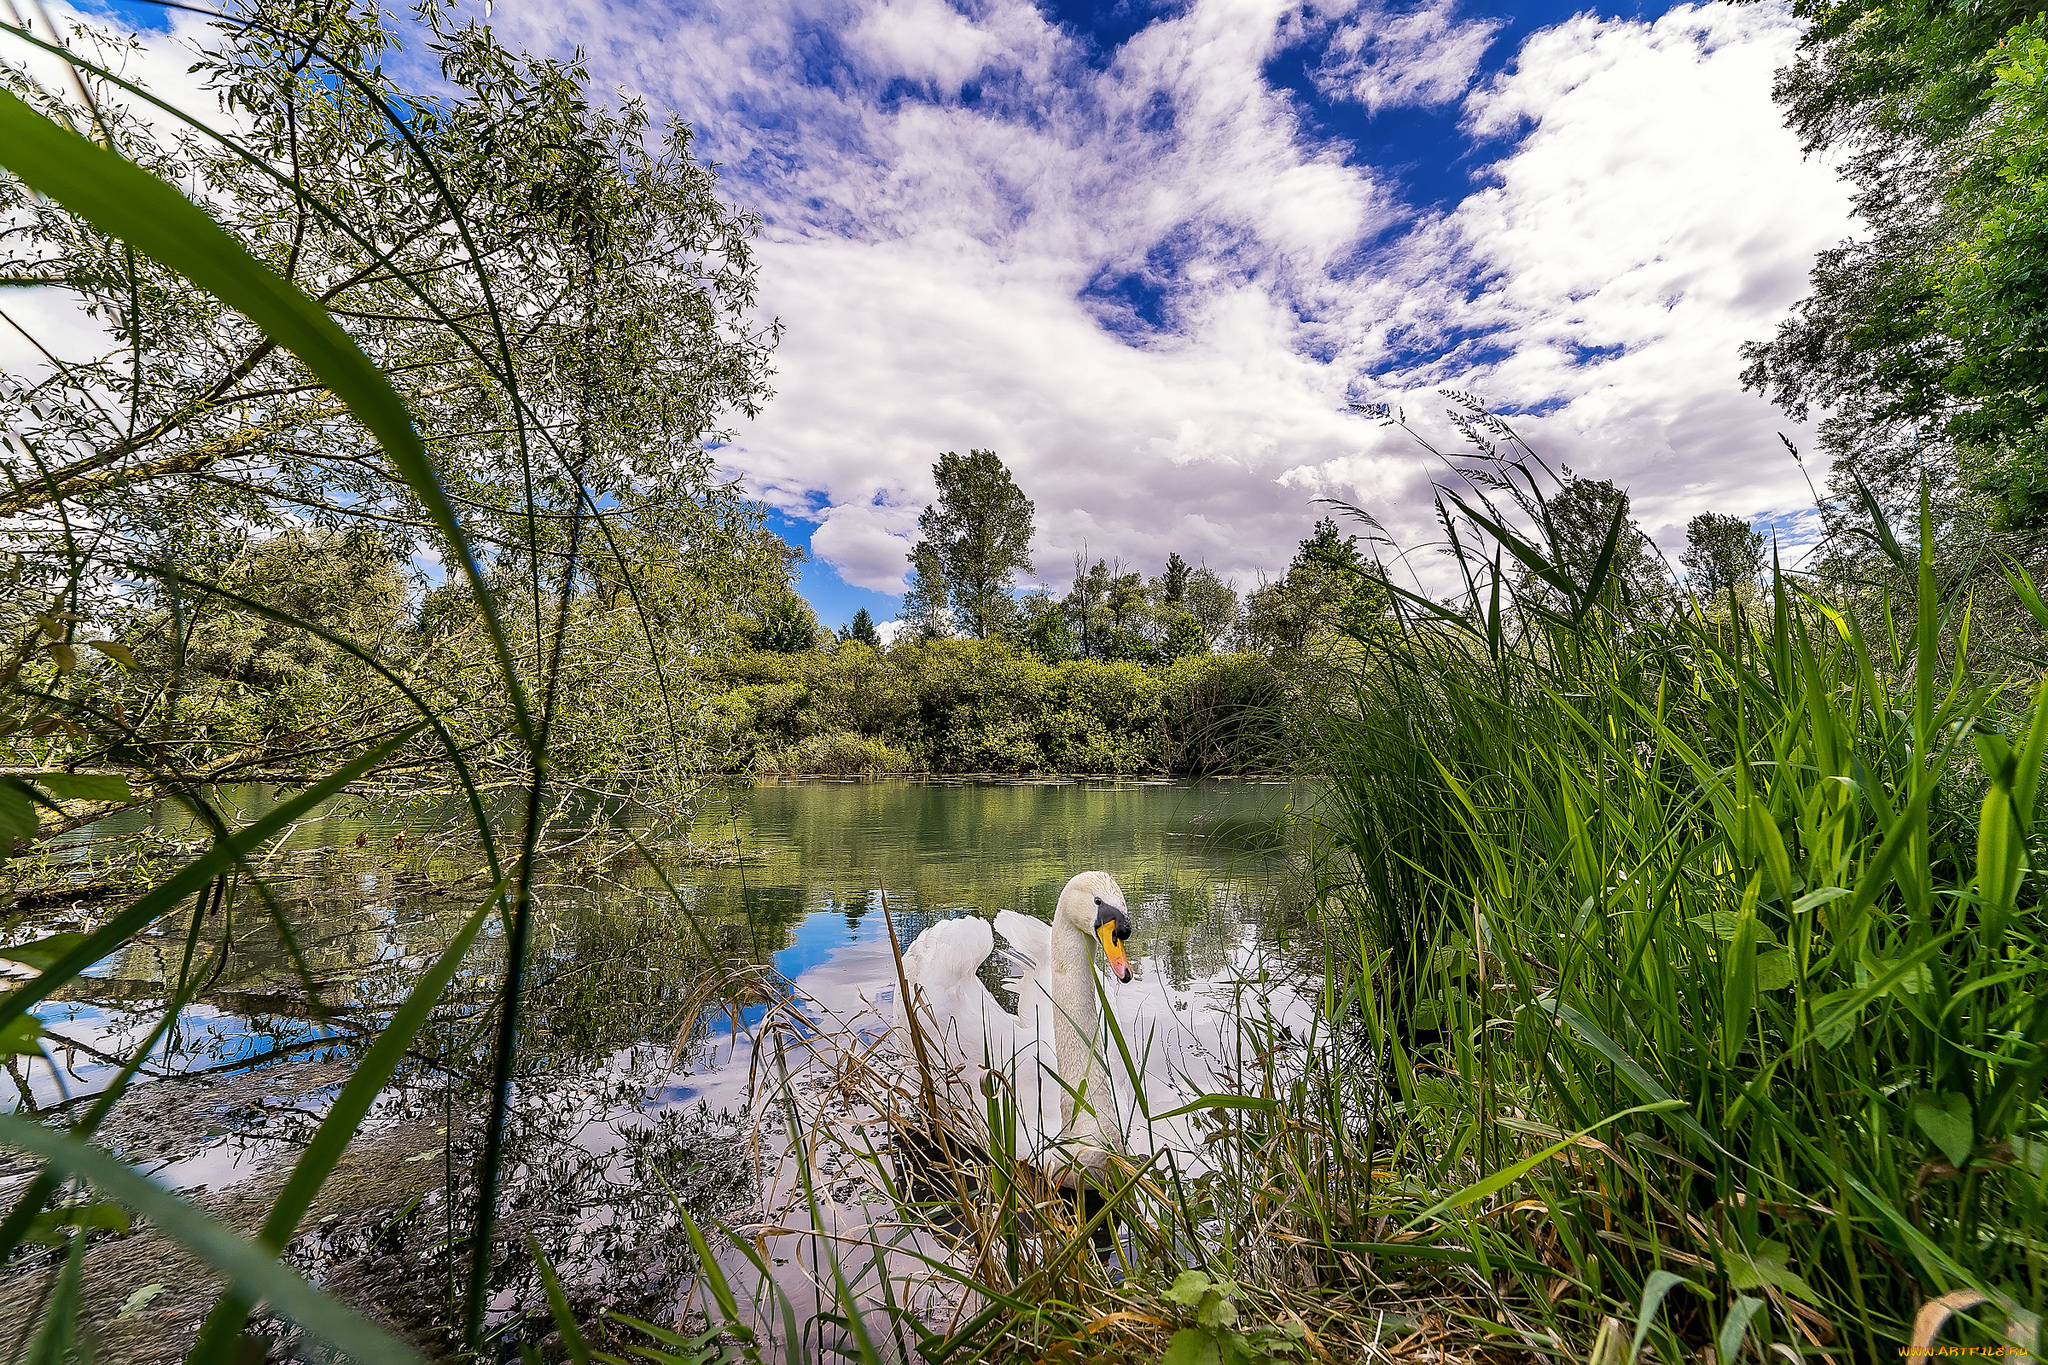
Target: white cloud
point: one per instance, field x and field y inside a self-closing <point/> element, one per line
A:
<point x="1653" y="216"/>
<point x="1153" y="292"/>
<point x="925" y="40"/>
<point x="1383" y="58"/>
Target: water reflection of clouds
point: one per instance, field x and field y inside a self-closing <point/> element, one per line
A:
<point x="607" y="1095"/>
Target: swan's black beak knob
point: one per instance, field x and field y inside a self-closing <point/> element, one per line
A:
<point x="1113" y="926"/>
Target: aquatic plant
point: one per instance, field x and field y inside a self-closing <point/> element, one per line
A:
<point x="1707" y="949"/>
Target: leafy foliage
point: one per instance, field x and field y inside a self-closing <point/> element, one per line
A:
<point x="974" y="706"/>
<point x="1920" y="340"/>
<point x="1714" y="942"/>
<point x="976" y="537"/>
<point x="1722" y="553"/>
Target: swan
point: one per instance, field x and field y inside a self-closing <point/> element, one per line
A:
<point x="1050" y="1049"/>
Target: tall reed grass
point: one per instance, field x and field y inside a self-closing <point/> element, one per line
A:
<point x="1707" y="951"/>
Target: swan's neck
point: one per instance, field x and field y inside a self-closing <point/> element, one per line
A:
<point x="1077" y="1034"/>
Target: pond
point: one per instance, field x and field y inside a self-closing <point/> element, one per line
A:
<point x="637" y="1094"/>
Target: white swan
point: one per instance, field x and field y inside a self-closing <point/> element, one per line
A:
<point x="1051" y="1049"/>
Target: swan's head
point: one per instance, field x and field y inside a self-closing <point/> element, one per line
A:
<point x="1093" y="904"/>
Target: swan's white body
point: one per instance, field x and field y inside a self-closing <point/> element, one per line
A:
<point x="1050" y="1050"/>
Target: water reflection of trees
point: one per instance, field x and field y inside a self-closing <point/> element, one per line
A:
<point x="604" y="1136"/>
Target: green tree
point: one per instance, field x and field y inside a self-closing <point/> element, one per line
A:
<point x="1171" y="587"/>
<point x="861" y="630"/>
<point x="1042" y="628"/>
<point x="785" y="625"/>
<point x="978" y="532"/>
<point x="1127" y="606"/>
<point x="1329" y="589"/>
<point x="551" y="284"/>
<point x="1921" y="343"/>
<point x="1575" y="521"/>
<point x="1083" y="604"/>
<point x="925" y="601"/>
<point x="1721" y="552"/>
<point x="1213" y="604"/>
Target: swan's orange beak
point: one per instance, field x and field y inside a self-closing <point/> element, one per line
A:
<point x="1113" y="947"/>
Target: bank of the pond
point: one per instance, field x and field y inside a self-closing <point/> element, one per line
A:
<point x="990" y="706"/>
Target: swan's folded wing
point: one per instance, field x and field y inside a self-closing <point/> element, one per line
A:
<point x="1030" y="937"/>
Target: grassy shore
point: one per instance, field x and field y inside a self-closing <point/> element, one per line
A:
<point x="1696" y="963"/>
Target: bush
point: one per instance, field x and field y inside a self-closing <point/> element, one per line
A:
<point x="989" y="706"/>
<point x="837" y="753"/>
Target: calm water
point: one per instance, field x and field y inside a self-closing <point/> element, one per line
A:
<point x="634" y="1089"/>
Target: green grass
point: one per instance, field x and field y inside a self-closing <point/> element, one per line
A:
<point x="1697" y="963"/>
<point x="1707" y="956"/>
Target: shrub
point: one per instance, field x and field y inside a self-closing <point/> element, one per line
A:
<point x="837" y="753"/>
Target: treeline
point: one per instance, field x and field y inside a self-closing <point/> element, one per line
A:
<point x="991" y="706"/>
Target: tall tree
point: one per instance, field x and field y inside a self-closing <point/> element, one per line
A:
<point x="1171" y="587"/>
<point x="1083" y="604"/>
<point x="1213" y="603"/>
<point x="1721" y="552"/>
<point x="978" y="532"/>
<point x="1923" y="344"/>
<point x="1576" y="521"/>
<point x="1329" y="589"/>
<point x="1127" y="604"/>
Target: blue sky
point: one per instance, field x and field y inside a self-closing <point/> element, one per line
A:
<point x="1150" y="251"/>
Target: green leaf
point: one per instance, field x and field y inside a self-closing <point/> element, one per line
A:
<point x="1639" y="1080"/>
<point x="138" y="1301"/>
<point x="1776" y="970"/>
<point x="1216" y="1311"/>
<point x="63" y="655"/>
<point x="17" y="811"/>
<point x="1660" y="1283"/>
<point x="18" y="1036"/>
<point x="1191" y="1346"/>
<point x="82" y="786"/>
<point x="1187" y="1288"/>
<point x="1915" y="980"/>
<point x="1735" y="1327"/>
<point x="1999" y="846"/>
<point x="114" y="650"/>
<point x="558" y="1305"/>
<point x="1833" y="1023"/>
<point x="47" y="1228"/>
<point x="1945" y="1118"/>
<point x="56" y="1343"/>
<point x="1814" y="899"/>
<point x="252" y="1269"/>
<point x="1738" y="978"/>
<point x="1722" y="924"/>
<point x="43" y="951"/>
<point x="1767" y="1267"/>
